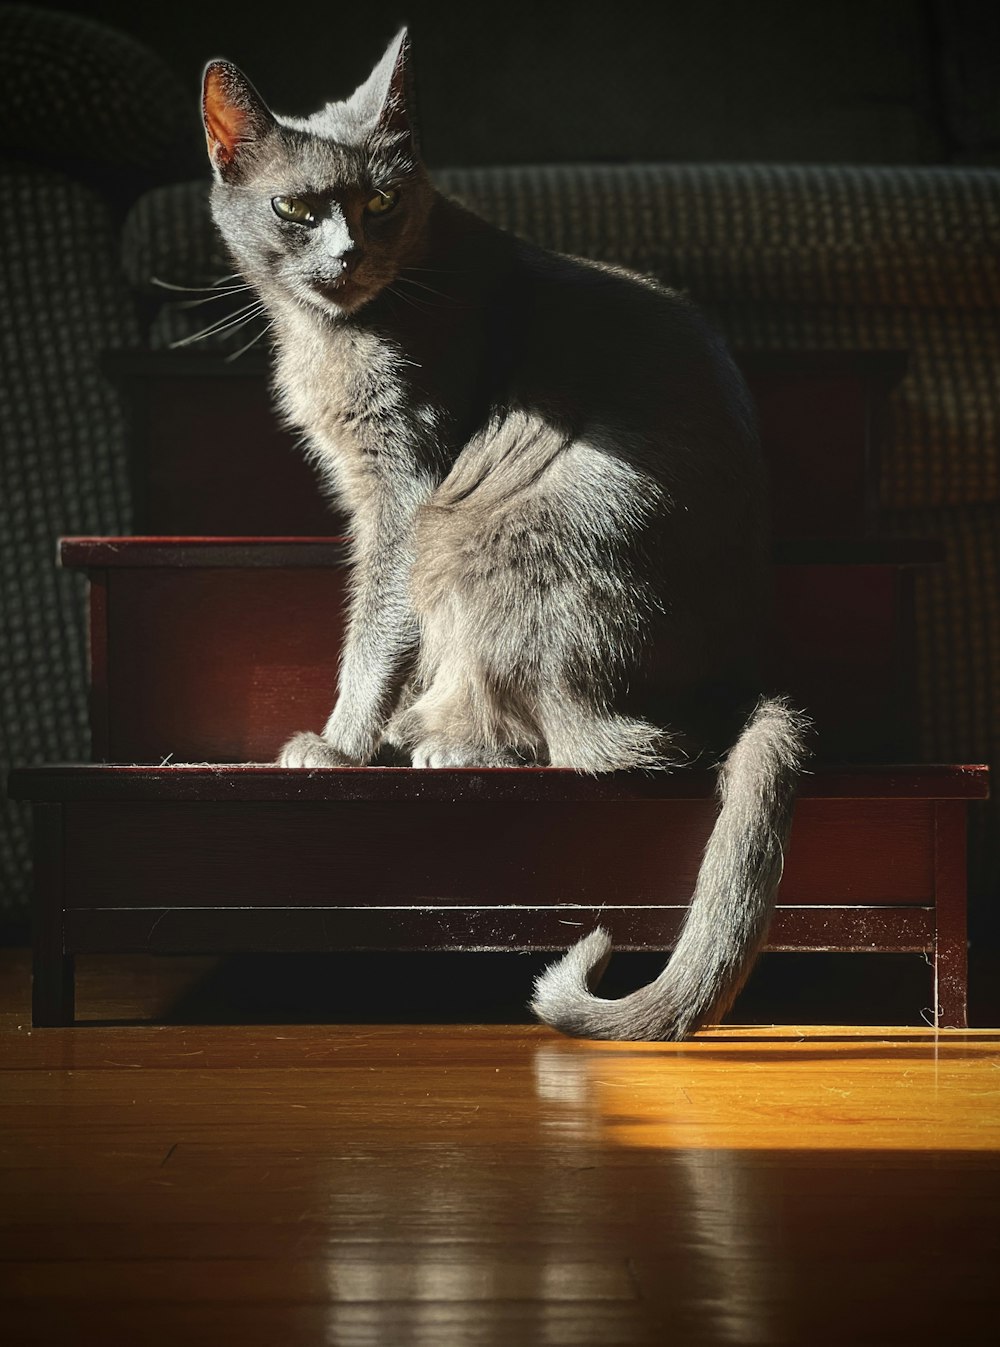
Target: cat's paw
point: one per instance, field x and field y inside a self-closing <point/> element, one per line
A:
<point x="311" y="750"/>
<point x="431" y="753"/>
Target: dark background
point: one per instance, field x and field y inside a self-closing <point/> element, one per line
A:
<point x="859" y="81"/>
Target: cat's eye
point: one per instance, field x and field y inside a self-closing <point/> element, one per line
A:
<point x="380" y="203"/>
<point x="292" y="208"/>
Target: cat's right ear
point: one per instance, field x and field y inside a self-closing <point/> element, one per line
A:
<point x="385" y="100"/>
<point x="236" y="118"/>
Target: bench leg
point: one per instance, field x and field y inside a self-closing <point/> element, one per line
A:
<point x="52" y="982"/>
<point x="53" y="992"/>
<point x="951" y="953"/>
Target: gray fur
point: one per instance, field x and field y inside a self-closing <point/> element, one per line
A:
<point x="552" y="473"/>
<point x="729" y="914"/>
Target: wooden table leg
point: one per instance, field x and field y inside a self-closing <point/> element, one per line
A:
<point x="52" y="986"/>
<point x="951" y="954"/>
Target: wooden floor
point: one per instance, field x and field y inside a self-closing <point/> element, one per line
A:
<point x="476" y="1184"/>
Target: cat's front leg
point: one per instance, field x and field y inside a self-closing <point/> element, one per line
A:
<point x="379" y="643"/>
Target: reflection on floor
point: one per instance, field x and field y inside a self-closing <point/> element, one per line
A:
<point x="472" y="1183"/>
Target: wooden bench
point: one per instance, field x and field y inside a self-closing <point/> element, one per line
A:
<point x="218" y="649"/>
<point x="211" y="859"/>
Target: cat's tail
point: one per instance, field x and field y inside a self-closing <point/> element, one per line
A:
<point x="729" y="914"/>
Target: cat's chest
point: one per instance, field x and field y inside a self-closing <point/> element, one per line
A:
<point x="348" y="391"/>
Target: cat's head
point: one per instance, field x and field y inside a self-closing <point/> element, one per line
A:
<point x="324" y="210"/>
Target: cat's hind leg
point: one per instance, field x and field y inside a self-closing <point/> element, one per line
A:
<point x="458" y="719"/>
<point x="471" y="717"/>
<point x="532" y="609"/>
<point x="592" y="738"/>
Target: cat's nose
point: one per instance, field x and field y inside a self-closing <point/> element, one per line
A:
<point x="349" y="261"/>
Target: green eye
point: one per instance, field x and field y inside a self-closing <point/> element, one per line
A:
<point x="291" y="208"/>
<point x="382" y="202"/>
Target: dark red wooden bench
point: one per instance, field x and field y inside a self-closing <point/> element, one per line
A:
<point x="220" y="648"/>
<point x="212" y="859"/>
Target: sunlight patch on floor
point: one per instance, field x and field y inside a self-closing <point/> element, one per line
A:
<point x="787" y="1088"/>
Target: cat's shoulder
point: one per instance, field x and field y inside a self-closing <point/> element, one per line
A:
<point x="591" y="297"/>
<point x="598" y="279"/>
<point x="526" y="266"/>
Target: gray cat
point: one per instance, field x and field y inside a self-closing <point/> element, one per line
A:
<point x="557" y="506"/>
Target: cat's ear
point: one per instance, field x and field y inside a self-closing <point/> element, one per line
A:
<point x="236" y="117"/>
<point x="385" y="100"/>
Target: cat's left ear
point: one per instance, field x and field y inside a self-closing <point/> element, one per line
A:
<point x="236" y="117"/>
<point x="385" y="100"/>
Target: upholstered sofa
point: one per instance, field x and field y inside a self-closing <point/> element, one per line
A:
<point x="90" y="120"/>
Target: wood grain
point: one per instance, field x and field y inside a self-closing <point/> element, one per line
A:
<point x="96" y="553"/>
<point x="459" y="1184"/>
<point x="116" y="782"/>
<point x="299" y="853"/>
<point x="322" y="928"/>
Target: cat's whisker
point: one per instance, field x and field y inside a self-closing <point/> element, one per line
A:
<point x="200" y="289"/>
<point x="252" y="342"/>
<point x="407" y="299"/>
<point x="439" y="271"/>
<point x="219" y="294"/>
<point x="408" y="280"/>
<point x="223" y="325"/>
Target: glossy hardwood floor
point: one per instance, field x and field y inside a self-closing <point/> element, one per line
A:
<point x="464" y="1184"/>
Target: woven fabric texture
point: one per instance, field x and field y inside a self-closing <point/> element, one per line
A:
<point x="913" y="237"/>
<point x="89" y="118"/>
<point x="82" y="95"/>
<point x="62" y="470"/>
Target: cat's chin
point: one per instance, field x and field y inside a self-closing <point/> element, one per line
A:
<point x="340" y="298"/>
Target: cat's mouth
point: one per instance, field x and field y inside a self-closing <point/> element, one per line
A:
<point x="344" y="291"/>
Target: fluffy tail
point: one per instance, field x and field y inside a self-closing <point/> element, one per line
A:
<point x="729" y="914"/>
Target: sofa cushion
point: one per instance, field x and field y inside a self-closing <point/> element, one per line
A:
<point x="64" y="467"/>
<point x="907" y="237"/>
<point x="83" y="97"/>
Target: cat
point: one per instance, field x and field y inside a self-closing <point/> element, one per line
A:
<point x="557" y="506"/>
